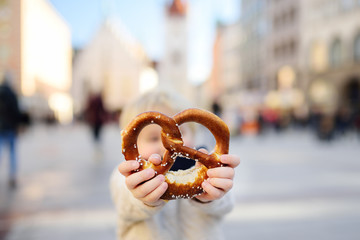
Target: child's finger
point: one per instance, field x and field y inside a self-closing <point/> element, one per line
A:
<point x="230" y="160"/>
<point x="157" y="193"/>
<point x="212" y="191"/>
<point x="221" y="183"/>
<point x="148" y="186"/>
<point x="221" y="172"/>
<point x="126" y="167"/>
<point x="203" y="150"/>
<point x="137" y="178"/>
<point x="155" y="159"/>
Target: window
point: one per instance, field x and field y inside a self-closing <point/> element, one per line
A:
<point x="318" y="56"/>
<point x="176" y="57"/>
<point x="276" y="51"/>
<point x="292" y="47"/>
<point x="261" y="28"/>
<point x="335" y="53"/>
<point x="357" y="48"/>
<point x="4" y="52"/>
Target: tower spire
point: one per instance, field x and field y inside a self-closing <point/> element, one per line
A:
<point x="177" y="7"/>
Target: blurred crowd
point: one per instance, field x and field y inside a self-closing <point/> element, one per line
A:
<point x="324" y="126"/>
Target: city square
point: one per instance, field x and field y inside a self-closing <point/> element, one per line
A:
<point x="288" y="184"/>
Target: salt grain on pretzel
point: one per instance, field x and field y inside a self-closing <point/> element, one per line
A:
<point x="181" y="183"/>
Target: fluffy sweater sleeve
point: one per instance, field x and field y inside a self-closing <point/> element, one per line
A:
<point x="217" y="208"/>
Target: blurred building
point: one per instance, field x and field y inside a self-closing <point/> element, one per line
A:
<point x="283" y="41"/>
<point x="35" y="48"/>
<point x="255" y="27"/>
<point x="302" y="49"/>
<point x="285" y="90"/>
<point x="331" y="54"/>
<point x="271" y="48"/>
<point x="224" y="85"/>
<point x="226" y="71"/>
<point x="112" y="64"/>
<point x="173" y="69"/>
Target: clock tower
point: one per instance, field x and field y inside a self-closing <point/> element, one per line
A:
<point x="173" y="68"/>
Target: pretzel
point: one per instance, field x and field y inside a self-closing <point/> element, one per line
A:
<point x="182" y="183"/>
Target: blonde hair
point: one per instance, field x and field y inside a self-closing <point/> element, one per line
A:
<point x="157" y="99"/>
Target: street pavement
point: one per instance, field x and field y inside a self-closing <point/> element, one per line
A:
<point x="288" y="186"/>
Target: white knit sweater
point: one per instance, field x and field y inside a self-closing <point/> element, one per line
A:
<point x="176" y="219"/>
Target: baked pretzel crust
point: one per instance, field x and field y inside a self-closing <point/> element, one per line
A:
<point x="183" y="183"/>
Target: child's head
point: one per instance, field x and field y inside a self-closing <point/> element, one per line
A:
<point x="164" y="101"/>
<point x="158" y="99"/>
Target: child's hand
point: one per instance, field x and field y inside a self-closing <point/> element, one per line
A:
<point x="143" y="185"/>
<point x="220" y="179"/>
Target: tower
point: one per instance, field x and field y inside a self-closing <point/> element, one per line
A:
<point x="173" y="68"/>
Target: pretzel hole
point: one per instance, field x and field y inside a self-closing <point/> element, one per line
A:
<point x="180" y="173"/>
<point x="204" y="138"/>
<point x="182" y="163"/>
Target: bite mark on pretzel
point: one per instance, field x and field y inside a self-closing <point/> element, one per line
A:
<point x="182" y="183"/>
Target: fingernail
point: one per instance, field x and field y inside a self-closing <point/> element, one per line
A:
<point x="205" y="182"/>
<point x="164" y="185"/>
<point x="134" y="164"/>
<point x="156" y="156"/>
<point x="161" y="177"/>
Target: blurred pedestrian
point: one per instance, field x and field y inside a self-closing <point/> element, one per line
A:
<point x="9" y="122"/>
<point x="216" y="108"/>
<point x="326" y="128"/>
<point x="342" y="121"/>
<point x="357" y="123"/>
<point x="136" y="195"/>
<point x="95" y="116"/>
